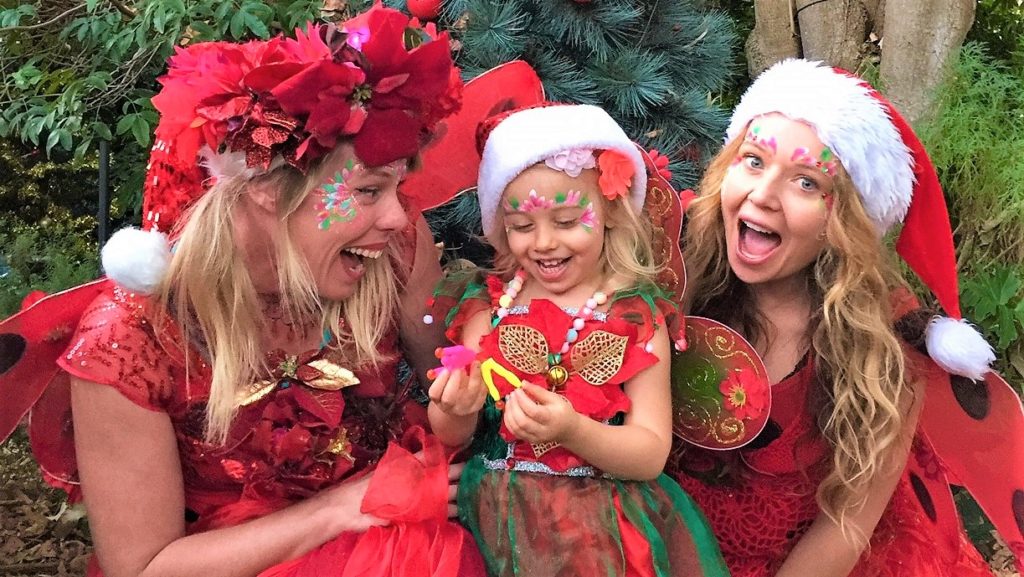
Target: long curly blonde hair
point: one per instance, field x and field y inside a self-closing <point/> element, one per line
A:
<point x="210" y="294"/>
<point x="857" y="356"/>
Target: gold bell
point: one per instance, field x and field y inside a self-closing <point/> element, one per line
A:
<point x="557" y="375"/>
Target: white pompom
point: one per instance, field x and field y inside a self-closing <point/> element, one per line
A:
<point x="136" y="259"/>
<point x="958" y="348"/>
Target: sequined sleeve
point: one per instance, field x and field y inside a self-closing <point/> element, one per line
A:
<point x="115" y="345"/>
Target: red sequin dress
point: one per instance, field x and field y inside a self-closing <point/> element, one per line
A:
<point x="769" y="503"/>
<point x="297" y="433"/>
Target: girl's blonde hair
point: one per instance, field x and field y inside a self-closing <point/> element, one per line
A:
<point x="211" y="295"/>
<point x="628" y="250"/>
<point x="858" y="358"/>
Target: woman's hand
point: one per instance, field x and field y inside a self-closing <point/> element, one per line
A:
<point x="458" y="393"/>
<point x="347" y="499"/>
<point x="537" y="415"/>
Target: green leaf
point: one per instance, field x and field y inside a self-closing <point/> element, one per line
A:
<point x="83" y="148"/>
<point x="1006" y="329"/>
<point x="140" y="130"/>
<point x="52" y="141"/>
<point x="65" y="138"/>
<point x="237" y="26"/>
<point x="125" y="124"/>
<point x="255" y="25"/>
<point x="90" y="5"/>
<point x="102" y="130"/>
<point x="1010" y="284"/>
<point x="204" y="30"/>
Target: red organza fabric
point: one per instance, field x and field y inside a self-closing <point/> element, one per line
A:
<point x="286" y="446"/>
<point x="759" y="516"/>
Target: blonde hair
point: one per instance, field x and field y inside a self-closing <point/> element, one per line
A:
<point x="211" y="295"/>
<point x="858" y="358"/>
<point x="628" y="250"/>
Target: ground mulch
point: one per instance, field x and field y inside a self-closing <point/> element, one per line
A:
<point x="42" y="536"/>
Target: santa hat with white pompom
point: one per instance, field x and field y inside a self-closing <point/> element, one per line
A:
<point x="895" y="179"/>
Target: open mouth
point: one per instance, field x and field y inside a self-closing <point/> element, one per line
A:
<point x="757" y="242"/>
<point x="551" y="267"/>
<point x="355" y="258"/>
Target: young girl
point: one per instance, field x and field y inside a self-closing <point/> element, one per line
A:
<point x="785" y="245"/>
<point x="572" y="384"/>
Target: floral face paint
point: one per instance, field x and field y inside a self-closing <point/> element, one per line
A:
<point x="336" y="202"/>
<point x="571" y="199"/>
<point x="826" y="162"/>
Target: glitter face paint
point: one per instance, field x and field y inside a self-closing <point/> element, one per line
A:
<point x="754" y="135"/>
<point x="336" y="204"/>
<point x="826" y="162"/>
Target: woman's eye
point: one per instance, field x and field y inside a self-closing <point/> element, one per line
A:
<point x="807" y="184"/>
<point x="753" y="161"/>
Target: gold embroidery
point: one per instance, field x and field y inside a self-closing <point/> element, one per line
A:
<point x="599" y="356"/>
<point x="540" y="448"/>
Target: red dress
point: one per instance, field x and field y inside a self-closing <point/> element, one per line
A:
<point x="769" y="502"/>
<point x="296" y="434"/>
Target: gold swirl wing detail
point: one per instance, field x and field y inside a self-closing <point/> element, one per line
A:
<point x="524" y="347"/>
<point x="599" y="356"/>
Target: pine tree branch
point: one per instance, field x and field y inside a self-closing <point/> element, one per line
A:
<point x="44" y="24"/>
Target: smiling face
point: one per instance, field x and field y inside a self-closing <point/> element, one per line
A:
<point x="554" y="226"/>
<point x="346" y="221"/>
<point x="776" y="198"/>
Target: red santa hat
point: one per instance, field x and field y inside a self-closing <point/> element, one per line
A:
<point x="514" y="141"/>
<point x="895" y="179"/>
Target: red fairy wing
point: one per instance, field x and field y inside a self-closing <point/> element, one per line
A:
<point x="30" y="343"/>
<point x="450" y="165"/>
<point x="977" y="430"/>
<point x="701" y="414"/>
<point x="665" y="211"/>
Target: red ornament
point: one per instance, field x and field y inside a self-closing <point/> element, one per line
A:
<point x="424" y="9"/>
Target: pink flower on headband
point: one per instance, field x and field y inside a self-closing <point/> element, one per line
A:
<point x="616" y="174"/>
<point x="572" y="161"/>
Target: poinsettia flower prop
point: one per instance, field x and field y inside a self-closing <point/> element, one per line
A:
<point x="294" y="98"/>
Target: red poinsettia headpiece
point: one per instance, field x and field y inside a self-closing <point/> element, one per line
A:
<point x="230" y="110"/>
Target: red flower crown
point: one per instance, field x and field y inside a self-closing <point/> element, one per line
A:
<point x="380" y="79"/>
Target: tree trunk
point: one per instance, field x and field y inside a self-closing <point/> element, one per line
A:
<point x="773" y="38"/>
<point x="833" y="32"/>
<point x="921" y="36"/>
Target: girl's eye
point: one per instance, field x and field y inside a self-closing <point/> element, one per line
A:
<point x="753" y="161"/>
<point x="369" y="191"/>
<point x="566" y="223"/>
<point x="520" y="227"/>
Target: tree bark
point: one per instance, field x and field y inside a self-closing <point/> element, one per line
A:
<point x="921" y="36"/>
<point x="773" y="38"/>
<point x="833" y="31"/>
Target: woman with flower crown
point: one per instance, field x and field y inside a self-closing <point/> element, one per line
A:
<point x="239" y="405"/>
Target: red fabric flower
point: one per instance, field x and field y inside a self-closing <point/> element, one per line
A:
<point x="745" y="395"/>
<point x="616" y="174"/>
<point x="661" y="163"/>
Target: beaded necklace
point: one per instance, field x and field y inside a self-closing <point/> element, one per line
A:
<point x="557" y="374"/>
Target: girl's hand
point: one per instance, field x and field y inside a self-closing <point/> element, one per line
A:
<point x="536" y="415"/>
<point x="457" y="392"/>
<point x="454" y="474"/>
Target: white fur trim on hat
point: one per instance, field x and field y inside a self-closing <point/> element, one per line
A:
<point x="529" y="136"/>
<point x="958" y="348"/>
<point x="136" y="259"/>
<point x="849" y="120"/>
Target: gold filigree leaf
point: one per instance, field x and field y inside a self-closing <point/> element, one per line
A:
<point x="540" y="448"/>
<point x="599" y="356"/>
<point x="524" y="347"/>
<point x="254" y="392"/>
<point x="334" y="378"/>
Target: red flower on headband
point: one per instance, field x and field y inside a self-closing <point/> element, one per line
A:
<point x="381" y="79"/>
<point x="616" y="174"/>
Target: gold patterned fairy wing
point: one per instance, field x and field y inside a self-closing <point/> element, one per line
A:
<point x="524" y="347"/>
<point x="599" y="356"/>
